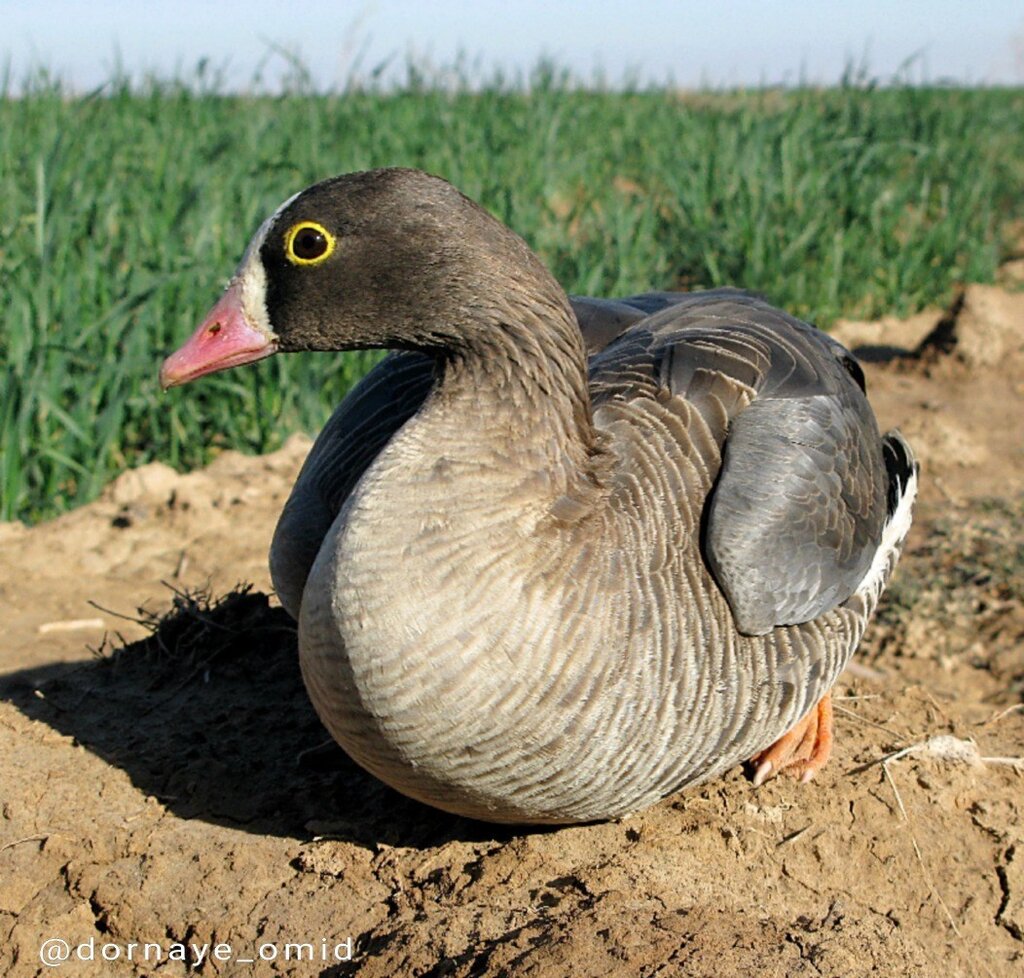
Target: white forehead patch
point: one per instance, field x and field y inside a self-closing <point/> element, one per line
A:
<point x="252" y="278"/>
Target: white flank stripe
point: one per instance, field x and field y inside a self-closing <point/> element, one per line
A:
<point x="893" y="535"/>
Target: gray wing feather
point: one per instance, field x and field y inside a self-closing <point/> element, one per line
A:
<point x="603" y="320"/>
<point x="796" y="513"/>
<point x="364" y="422"/>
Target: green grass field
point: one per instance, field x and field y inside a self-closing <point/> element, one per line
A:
<point x="124" y="213"/>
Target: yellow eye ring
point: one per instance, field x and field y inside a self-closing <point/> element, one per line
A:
<point x="308" y="243"/>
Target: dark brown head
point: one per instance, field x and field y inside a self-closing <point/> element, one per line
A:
<point x="390" y="258"/>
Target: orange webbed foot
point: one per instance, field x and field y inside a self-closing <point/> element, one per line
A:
<point x="802" y="751"/>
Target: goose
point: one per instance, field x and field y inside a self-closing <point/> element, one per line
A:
<point x="554" y="559"/>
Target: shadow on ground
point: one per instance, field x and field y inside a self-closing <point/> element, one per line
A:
<point x="209" y="715"/>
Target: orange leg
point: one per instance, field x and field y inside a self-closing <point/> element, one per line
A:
<point x="801" y="752"/>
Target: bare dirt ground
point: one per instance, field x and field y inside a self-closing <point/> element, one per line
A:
<point x="180" y="790"/>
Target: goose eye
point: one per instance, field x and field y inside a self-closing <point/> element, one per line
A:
<point x="308" y="243"/>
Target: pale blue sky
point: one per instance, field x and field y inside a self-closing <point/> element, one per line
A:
<point x="735" y="42"/>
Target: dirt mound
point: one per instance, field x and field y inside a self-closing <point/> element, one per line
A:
<point x="175" y="788"/>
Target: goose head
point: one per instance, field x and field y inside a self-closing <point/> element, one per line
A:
<point x="392" y="258"/>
